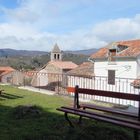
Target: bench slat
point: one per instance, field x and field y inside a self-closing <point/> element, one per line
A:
<point x="109" y="110"/>
<point x="120" y="123"/>
<point x="111" y="94"/>
<point x="106" y="116"/>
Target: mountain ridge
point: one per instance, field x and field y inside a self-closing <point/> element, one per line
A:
<point x="85" y="51"/>
<point x="13" y="52"/>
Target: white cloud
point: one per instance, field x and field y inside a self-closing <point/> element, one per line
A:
<point x="118" y="29"/>
<point x="25" y="25"/>
<point x="17" y="30"/>
<point x="22" y="37"/>
<point x="22" y="15"/>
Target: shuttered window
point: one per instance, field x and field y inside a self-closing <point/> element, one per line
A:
<point x="111" y="77"/>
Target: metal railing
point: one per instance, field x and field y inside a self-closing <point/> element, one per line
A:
<point x="58" y="83"/>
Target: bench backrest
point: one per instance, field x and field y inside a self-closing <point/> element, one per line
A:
<point x="127" y="96"/>
<point x="112" y="94"/>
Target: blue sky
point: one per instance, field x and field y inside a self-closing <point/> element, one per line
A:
<point x="72" y="24"/>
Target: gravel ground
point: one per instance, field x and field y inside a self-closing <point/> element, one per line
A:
<point x="38" y="90"/>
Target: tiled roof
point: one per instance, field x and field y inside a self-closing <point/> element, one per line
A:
<point x="63" y="64"/>
<point x="132" y="50"/>
<point x="5" y="70"/>
<point x="86" y="69"/>
<point x="56" y="49"/>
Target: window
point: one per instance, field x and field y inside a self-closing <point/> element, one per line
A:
<point x="54" y="56"/>
<point x="121" y="48"/>
<point x="111" y="77"/>
<point x="58" y="57"/>
<point x="9" y="79"/>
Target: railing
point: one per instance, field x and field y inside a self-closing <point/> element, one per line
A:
<point x="58" y="83"/>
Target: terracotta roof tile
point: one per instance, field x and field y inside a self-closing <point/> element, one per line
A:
<point x="101" y="53"/>
<point x="86" y="69"/>
<point x="132" y="50"/>
<point x="5" y="70"/>
<point x="64" y="64"/>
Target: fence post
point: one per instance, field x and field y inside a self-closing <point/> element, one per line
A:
<point x="24" y="79"/>
<point x="76" y="97"/>
<point x="39" y="80"/>
<point x="139" y="108"/>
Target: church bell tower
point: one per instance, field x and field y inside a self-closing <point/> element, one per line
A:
<point x="56" y="54"/>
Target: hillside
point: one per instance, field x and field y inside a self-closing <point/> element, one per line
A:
<point x="12" y="52"/>
<point x="29" y="62"/>
<point x="23" y="59"/>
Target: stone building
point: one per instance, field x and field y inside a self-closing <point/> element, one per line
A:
<point x="54" y="71"/>
<point x="83" y="76"/>
<point x="6" y="74"/>
<point x="85" y="70"/>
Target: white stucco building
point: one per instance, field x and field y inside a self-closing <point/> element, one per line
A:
<point x="121" y="57"/>
<point x="116" y="66"/>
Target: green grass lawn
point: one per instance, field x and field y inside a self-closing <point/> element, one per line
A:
<point x="50" y="124"/>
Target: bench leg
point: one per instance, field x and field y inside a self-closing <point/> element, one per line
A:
<point x="66" y="117"/>
<point x="136" y="135"/>
<point x="80" y="120"/>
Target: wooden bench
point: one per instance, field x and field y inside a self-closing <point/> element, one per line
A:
<point x="104" y="114"/>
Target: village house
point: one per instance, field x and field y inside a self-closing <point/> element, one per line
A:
<point x="118" y="59"/>
<point x="83" y="75"/>
<point x="6" y="74"/>
<point x="116" y="66"/>
<point x="54" y="71"/>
